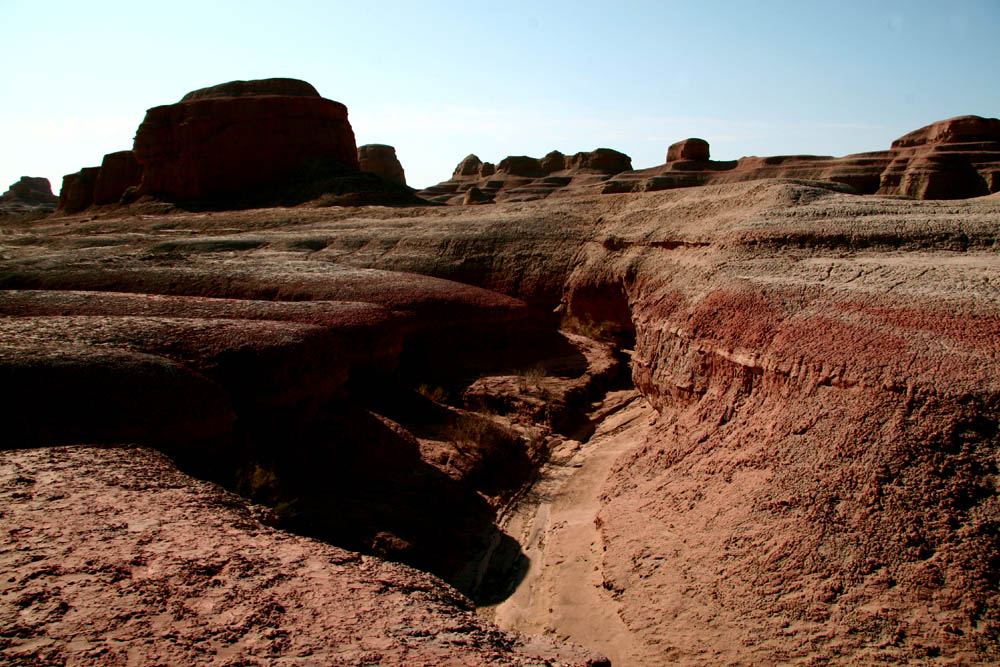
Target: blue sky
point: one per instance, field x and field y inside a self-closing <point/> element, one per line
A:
<point x="439" y="80"/>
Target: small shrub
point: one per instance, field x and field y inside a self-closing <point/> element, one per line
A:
<point x="436" y="394"/>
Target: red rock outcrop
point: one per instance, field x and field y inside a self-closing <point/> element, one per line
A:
<point x="225" y="140"/>
<point x="524" y="178"/>
<point x="119" y="172"/>
<point x="951" y="159"/>
<point x="77" y="192"/>
<point x="381" y="160"/>
<point x="689" y="149"/>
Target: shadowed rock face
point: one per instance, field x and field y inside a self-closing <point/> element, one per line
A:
<point x="215" y="145"/>
<point x="239" y="145"/>
<point x="381" y="160"/>
<point x="77" y="192"/>
<point x="119" y="172"/>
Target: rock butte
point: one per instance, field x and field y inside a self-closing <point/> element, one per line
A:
<point x="799" y="465"/>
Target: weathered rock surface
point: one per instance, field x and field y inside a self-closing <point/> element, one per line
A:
<point x="950" y="159"/>
<point x="119" y="172"/>
<point x="818" y="481"/>
<point x="77" y="192"/>
<point x="112" y="555"/>
<point x="523" y="178"/>
<point x="381" y="160"/>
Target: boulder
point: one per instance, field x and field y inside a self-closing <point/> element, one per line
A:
<point x="476" y="196"/>
<point x="689" y="149"/>
<point x="119" y="171"/>
<point x="381" y="160"/>
<point x="77" y="191"/>
<point x="228" y="141"/>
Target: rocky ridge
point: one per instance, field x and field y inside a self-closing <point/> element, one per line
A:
<point x="950" y="159"/>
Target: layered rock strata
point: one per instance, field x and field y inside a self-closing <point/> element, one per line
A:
<point x="950" y="159"/>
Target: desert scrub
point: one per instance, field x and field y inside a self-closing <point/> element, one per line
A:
<point x="531" y="377"/>
<point x="604" y="330"/>
<point x="498" y="455"/>
<point x="436" y="394"/>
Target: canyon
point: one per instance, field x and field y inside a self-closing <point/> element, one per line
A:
<point x="750" y="420"/>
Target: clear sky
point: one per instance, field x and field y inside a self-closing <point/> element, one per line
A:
<point x="440" y="80"/>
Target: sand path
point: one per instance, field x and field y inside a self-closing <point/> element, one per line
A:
<point x="563" y="593"/>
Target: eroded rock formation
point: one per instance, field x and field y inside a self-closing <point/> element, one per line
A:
<point x="222" y="141"/>
<point x="119" y="172"/>
<point x="523" y="178"/>
<point x="242" y="144"/>
<point x="77" y="192"/>
<point x="28" y="194"/>
<point x="381" y="160"/>
<point x="950" y="159"/>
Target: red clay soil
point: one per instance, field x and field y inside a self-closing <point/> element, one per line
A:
<point x="111" y="556"/>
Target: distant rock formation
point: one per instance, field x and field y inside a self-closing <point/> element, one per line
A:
<point x="951" y="159"/>
<point x="689" y="149"/>
<point x="523" y="178"/>
<point x="28" y="194"/>
<point x="381" y="160"/>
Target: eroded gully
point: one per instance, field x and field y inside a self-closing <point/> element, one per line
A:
<point x="562" y="593"/>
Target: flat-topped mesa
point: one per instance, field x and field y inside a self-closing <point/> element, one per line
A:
<point x="381" y="160"/>
<point x="30" y="193"/>
<point x="951" y="159"/>
<point x="524" y="178"/>
<point x="235" y="138"/>
<point x="229" y="140"/>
